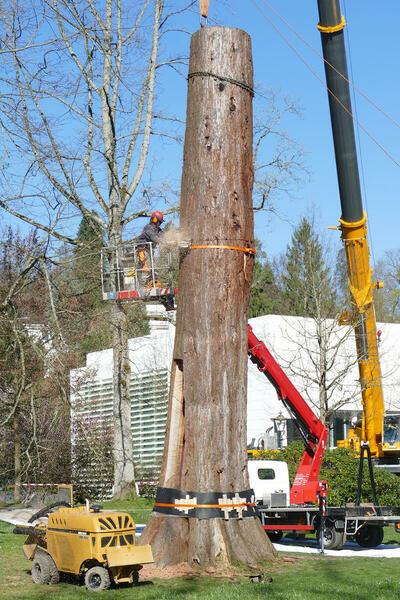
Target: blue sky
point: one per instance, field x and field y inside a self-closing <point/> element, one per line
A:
<point x="373" y="61"/>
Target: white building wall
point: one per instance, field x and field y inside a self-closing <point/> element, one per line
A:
<point x="150" y="358"/>
<point x="285" y="337"/>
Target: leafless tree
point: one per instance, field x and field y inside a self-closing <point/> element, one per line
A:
<point x="285" y="169"/>
<point x="77" y="115"/>
<point x="322" y="355"/>
<point x="322" y="360"/>
<point x="25" y="379"/>
<point x="78" y="110"/>
<point x="387" y="301"/>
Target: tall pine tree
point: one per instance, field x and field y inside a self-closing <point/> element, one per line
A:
<point x="266" y="297"/>
<point x="307" y="283"/>
<point x="321" y="361"/>
<point x="340" y="281"/>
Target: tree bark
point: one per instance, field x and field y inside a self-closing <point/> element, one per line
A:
<point x="205" y="447"/>
<point x="17" y="459"/>
<point x="124" y="472"/>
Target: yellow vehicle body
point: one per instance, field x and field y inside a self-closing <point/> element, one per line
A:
<point x="353" y="439"/>
<point x="363" y="320"/>
<point x="78" y="539"/>
<point x="353" y="226"/>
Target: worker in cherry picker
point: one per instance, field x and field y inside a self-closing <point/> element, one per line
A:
<point x="152" y="233"/>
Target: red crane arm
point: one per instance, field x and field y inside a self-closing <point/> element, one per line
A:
<point x="306" y="486"/>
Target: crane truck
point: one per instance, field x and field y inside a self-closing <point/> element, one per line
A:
<point x="282" y="511"/>
<point x="297" y="510"/>
<point x="377" y="429"/>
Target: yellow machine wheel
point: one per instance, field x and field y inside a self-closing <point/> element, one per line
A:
<point x="41" y="568"/>
<point x="97" y="579"/>
<point x="44" y="569"/>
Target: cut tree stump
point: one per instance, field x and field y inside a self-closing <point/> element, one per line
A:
<point x="205" y="446"/>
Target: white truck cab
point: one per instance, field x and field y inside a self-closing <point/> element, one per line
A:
<point x="270" y="482"/>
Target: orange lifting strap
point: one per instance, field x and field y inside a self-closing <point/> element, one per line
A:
<point x="232" y="506"/>
<point x="245" y="250"/>
<point x="204" y="4"/>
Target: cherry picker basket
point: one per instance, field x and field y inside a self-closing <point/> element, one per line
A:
<point x="134" y="272"/>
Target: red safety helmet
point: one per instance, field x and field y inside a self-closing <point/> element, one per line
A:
<point x="157" y="217"/>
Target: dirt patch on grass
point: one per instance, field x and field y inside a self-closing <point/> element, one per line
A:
<point x="171" y="572"/>
<point x="13" y="580"/>
<point x="182" y="570"/>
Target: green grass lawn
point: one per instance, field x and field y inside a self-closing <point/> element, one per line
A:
<point x="294" y="577"/>
<point x="140" y="509"/>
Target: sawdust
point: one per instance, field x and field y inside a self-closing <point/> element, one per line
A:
<point x="170" y="572"/>
<point x="174" y="237"/>
<point x="183" y="570"/>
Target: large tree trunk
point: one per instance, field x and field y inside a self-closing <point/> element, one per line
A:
<point x="205" y="448"/>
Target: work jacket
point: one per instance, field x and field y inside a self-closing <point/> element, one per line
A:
<point x="151" y="233"/>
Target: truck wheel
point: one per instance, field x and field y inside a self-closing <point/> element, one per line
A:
<point x="369" y="536"/>
<point x="333" y="539"/>
<point x="274" y="536"/>
<point x="97" y="579"/>
<point x="41" y="568"/>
